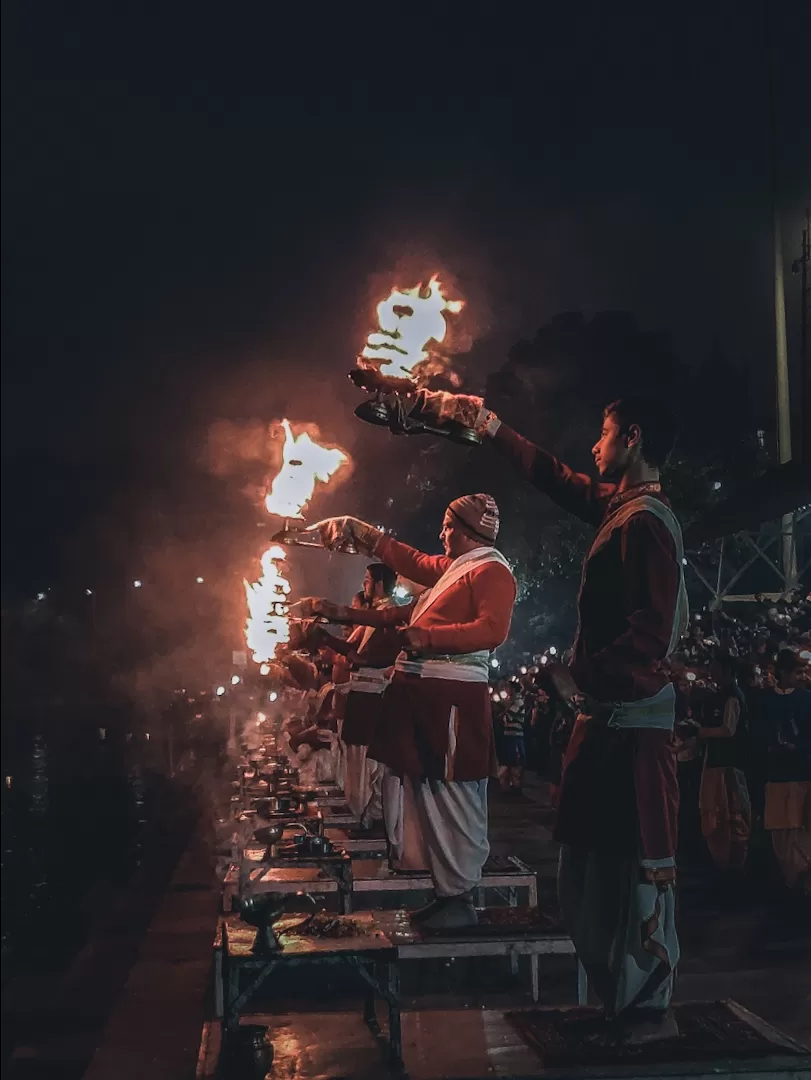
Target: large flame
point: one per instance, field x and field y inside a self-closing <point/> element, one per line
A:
<point x="409" y="322"/>
<point x="304" y="463"/>
<point x="268" y="626"/>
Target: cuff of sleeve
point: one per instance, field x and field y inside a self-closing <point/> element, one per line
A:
<point x="487" y="423"/>
<point x="658" y="864"/>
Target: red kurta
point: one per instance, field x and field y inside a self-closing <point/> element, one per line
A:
<point x="619" y="790"/>
<point x="473" y="614"/>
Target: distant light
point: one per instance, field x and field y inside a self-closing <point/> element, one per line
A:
<point x="805" y="655"/>
<point x="40" y="596"/>
<point x="220" y="691"/>
<point x="102" y="732"/>
<point x="553" y="651"/>
<point x="235" y="680"/>
<point x="264" y="669"/>
<point x="137" y="584"/>
<point x="503" y="695"/>
<point x="691" y="676"/>
<point x="523" y="670"/>
<point x="544" y="659"/>
<point x="9" y="781"/>
<point x="716" y="486"/>
<point x="494" y="663"/>
<point x="272" y="696"/>
<point x="199" y="580"/>
<point x="88" y="592"/>
<point x="147" y="736"/>
<point x="260" y="718"/>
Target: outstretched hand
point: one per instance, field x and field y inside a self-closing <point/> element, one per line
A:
<point x="347" y="534"/>
<point x="465" y="409"/>
<point x="315" y="607"/>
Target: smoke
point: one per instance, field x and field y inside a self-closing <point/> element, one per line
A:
<point x="250" y="454"/>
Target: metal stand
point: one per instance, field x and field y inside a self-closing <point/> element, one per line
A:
<point x="377" y="968"/>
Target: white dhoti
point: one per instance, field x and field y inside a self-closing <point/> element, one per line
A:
<point x="374" y="807"/>
<point x="401" y="820"/>
<point x="356" y="788"/>
<point x="453" y="820"/>
<point x="623" y="928"/>
<point x="363" y="780"/>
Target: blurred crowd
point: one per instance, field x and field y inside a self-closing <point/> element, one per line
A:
<point x="743" y="731"/>
<point x="743" y="734"/>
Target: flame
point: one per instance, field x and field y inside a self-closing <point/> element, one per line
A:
<point x="409" y="321"/>
<point x="267" y="626"/>
<point x="304" y="463"/>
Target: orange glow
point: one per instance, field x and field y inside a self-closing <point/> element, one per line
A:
<point x="304" y="463"/>
<point x="267" y="626"/>
<point x="410" y="321"/>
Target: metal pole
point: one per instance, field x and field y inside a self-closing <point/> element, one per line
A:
<point x="801" y="264"/>
<point x="789" y="564"/>
<point x="783" y="403"/>
<point x="788" y="553"/>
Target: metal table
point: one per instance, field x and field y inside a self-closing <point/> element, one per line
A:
<point x="338" y="817"/>
<point x="531" y="939"/>
<point x="504" y="873"/>
<point x="372" y="955"/>
<point x="316" y="875"/>
<point x="369" y="847"/>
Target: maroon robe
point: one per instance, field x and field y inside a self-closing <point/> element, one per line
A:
<point x="619" y="790"/>
<point x="362" y="712"/>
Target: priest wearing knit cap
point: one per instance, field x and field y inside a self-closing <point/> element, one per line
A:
<point x="436" y="730"/>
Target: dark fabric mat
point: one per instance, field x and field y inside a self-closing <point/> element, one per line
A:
<point x="709" y="1031"/>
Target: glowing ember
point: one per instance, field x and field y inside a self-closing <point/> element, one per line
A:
<point x="304" y="463"/>
<point x="267" y="626"/>
<point x="409" y="322"/>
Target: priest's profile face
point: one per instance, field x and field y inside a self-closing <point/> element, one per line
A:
<point x="455" y="541"/>
<point x="612" y="453"/>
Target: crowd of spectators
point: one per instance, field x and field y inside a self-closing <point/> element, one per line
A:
<point x="743" y="733"/>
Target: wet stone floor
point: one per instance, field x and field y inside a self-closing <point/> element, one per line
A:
<point x="748" y="940"/>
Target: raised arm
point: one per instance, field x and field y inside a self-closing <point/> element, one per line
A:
<point x="410" y="563"/>
<point x="312" y="607"/>
<point x="574" y="492"/>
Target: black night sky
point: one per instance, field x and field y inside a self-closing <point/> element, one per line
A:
<point x="199" y="211"/>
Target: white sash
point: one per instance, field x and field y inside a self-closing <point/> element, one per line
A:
<point x="458" y="568"/>
<point x="658" y="711"/>
<point x="368" y="680"/>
